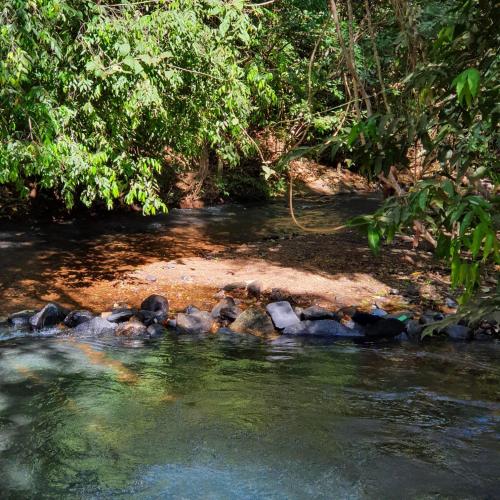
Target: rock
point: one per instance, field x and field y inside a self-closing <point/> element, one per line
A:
<point x="49" y="315"/>
<point x="317" y="313"/>
<point x="95" y="327"/>
<point x="240" y="285"/>
<point x="75" y="318"/>
<point x="255" y="321"/>
<point x="282" y="314"/>
<point x="323" y="328"/>
<point x="131" y="328"/>
<point x="155" y="330"/>
<point x="451" y="303"/>
<point x="191" y="310"/>
<point x="254" y="289"/>
<point x="384" y="329"/>
<point x="431" y="317"/>
<point x="121" y="315"/>
<point x="226" y="309"/>
<point x="195" y="323"/>
<point x="170" y="323"/>
<point x="156" y="304"/>
<point x="277" y="295"/>
<point x="458" y="332"/>
<point x="376" y="311"/>
<point x="364" y="319"/>
<point x="20" y="319"/>
<point x="402" y="316"/>
<point x="414" y="328"/>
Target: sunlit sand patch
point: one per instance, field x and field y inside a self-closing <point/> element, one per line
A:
<point x="99" y="358"/>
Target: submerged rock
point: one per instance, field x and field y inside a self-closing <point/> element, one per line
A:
<point x="75" y="318"/>
<point x="20" y="319"/>
<point x="254" y="320"/>
<point x="317" y="313"/>
<point x="94" y="327"/>
<point x="282" y="314"/>
<point x="322" y="328"/>
<point x="195" y="323"/>
<point x="50" y="315"/>
<point x="131" y="328"/>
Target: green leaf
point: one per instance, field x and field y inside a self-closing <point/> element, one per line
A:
<point x="374" y="239"/>
<point x="477" y="238"/>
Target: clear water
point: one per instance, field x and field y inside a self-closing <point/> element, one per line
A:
<point x="231" y="417"/>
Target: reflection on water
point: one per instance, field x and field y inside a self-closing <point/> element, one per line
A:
<point x="229" y="417"/>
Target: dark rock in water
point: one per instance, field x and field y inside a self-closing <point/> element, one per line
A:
<point x="431" y="317"/>
<point x="121" y="315"/>
<point x="254" y="289"/>
<point x="384" y="329"/>
<point x="322" y="328"/>
<point x="414" y="329"/>
<point x="155" y="330"/>
<point x="226" y="309"/>
<point x="282" y="314"/>
<point x="317" y="313"/>
<point x="195" y="323"/>
<point x="20" y="319"/>
<point x="50" y="315"/>
<point x="95" y="327"/>
<point x="132" y="328"/>
<point x="74" y="318"/>
<point x="158" y="305"/>
<point x="458" y="332"/>
<point x="255" y="321"/>
<point x="364" y="319"/>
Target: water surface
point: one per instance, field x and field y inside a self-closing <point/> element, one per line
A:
<point x="230" y="417"/>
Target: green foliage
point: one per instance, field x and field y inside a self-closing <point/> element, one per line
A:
<point x="92" y="94"/>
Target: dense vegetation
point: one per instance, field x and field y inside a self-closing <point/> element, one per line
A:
<point x="105" y="101"/>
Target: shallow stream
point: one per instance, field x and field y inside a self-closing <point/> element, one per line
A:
<point x="231" y="417"/>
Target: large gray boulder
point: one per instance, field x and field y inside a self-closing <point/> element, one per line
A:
<point x="282" y="314"/>
<point x="94" y="328"/>
<point x="255" y="321"/>
<point x="322" y="328"/>
<point x="196" y="323"/>
<point x="50" y="315"/>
